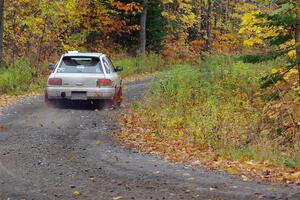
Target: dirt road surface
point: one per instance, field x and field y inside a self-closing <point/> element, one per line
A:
<point x="50" y="153"/>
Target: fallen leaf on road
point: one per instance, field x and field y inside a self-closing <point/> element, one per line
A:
<point x="190" y="179"/>
<point x="70" y="157"/>
<point x="98" y="142"/>
<point x="245" y="178"/>
<point x="195" y="196"/>
<point x="232" y="170"/>
<point x="1" y="127"/>
<point x="92" y="178"/>
<point x="273" y="188"/>
<point x="118" y="197"/>
<point x="76" y="193"/>
<point x="186" y="174"/>
<point x="125" y="87"/>
<point x="196" y="163"/>
<point x="156" y="172"/>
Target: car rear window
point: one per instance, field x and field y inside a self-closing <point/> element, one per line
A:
<point x="80" y="65"/>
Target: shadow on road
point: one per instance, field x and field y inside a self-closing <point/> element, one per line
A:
<point x="79" y="105"/>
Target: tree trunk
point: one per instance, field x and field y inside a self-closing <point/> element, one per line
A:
<point x="226" y="16"/>
<point x="297" y="39"/>
<point x="1" y="30"/>
<point x="143" y="21"/>
<point x="208" y="26"/>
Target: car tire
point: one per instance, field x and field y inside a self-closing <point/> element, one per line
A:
<point x="117" y="100"/>
<point x="119" y="97"/>
<point x="49" y="102"/>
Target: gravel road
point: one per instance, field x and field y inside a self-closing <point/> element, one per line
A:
<point x="49" y="153"/>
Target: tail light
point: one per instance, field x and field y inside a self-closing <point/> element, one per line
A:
<point x="104" y="82"/>
<point x="55" y="81"/>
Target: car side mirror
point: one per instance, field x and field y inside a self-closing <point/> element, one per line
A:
<point x="119" y="69"/>
<point x="51" y="66"/>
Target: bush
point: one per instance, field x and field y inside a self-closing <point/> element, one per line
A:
<point x="215" y="106"/>
<point x="212" y="101"/>
<point x="21" y="78"/>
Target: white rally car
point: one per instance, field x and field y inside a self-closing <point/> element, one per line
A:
<point x="84" y="76"/>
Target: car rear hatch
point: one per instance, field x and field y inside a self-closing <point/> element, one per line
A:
<point x="79" y="80"/>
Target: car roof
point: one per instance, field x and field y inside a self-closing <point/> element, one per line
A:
<point x="83" y="54"/>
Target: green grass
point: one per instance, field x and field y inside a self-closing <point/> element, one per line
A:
<point x="212" y="105"/>
<point x="21" y="78"/>
<point x="209" y="96"/>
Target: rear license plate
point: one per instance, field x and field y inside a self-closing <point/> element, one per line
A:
<point x="79" y="96"/>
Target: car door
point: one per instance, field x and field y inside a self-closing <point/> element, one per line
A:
<point x="110" y="71"/>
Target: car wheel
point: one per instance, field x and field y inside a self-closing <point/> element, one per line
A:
<point x="119" y="97"/>
<point x="49" y="102"/>
<point x="117" y="100"/>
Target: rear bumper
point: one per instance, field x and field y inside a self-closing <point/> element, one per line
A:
<point x="91" y="93"/>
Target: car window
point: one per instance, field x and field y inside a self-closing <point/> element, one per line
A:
<point x="76" y="64"/>
<point x="107" y="65"/>
<point x="112" y="67"/>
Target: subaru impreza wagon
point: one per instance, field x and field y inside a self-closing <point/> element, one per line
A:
<point x="84" y="77"/>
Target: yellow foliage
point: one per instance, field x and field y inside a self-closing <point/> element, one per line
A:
<point x="291" y="74"/>
<point x="274" y="71"/>
<point x="249" y="42"/>
<point x="180" y="133"/>
<point x="183" y="14"/>
<point x="256" y="34"/>
<point x="292" y="54"/>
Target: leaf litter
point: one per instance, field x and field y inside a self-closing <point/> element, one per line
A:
<point x="134" y="135"/>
